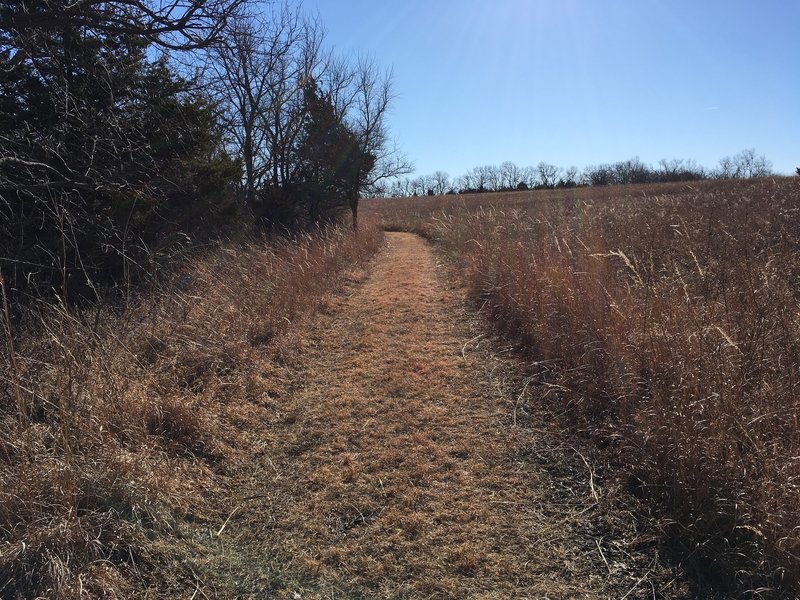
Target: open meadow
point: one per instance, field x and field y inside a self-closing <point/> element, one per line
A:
<point x="340" y="414"/>
<point x="663" y="322"/>
<point x="320" y="299"/>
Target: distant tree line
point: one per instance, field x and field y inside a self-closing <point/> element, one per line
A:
<point x="130" y="126"/>
<point x="509" y="176"/>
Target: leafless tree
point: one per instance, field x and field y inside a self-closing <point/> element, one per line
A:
<point x="679" y="169"/>
<point x="481" y="178"/>
<point x="632" y="170"/>
<point x="367" y="116"/>
<point x="750" y="165"/>
<point x="745" y="165"/>
<point x="259" y="73"/>
<point x="571" y="176"/>
<point x="494" y="177"/>
<point x="256" y="74"/>
<point x="511" y="175"/>
<point x="669" y="169"/>
<point x="463" y="182"/>
<point x="420" y="185"/>
<point x="530" y="176"/>
<point x="408" y="186"/>
<point x="441" y="182"/>
<point x="548" y="174"/>
<point x="399" y="187"/>
<point x="727" y="168"/>
<point x="170" y="24"/>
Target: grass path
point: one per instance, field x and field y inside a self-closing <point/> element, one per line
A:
<point x="393" y="468"/>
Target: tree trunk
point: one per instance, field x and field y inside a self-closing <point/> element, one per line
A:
<point x="354" y="210"/>
<point x="249" y="168"/>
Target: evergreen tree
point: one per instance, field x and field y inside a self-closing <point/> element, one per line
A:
<point x="103" y="155"/>
<point x="330" y="159"/>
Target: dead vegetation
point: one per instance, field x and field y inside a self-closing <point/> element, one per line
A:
<point x="117" y="424"/>
<point x="394" y="470"/>
<point x="372" y="451"/>
<point x="663" y="321"/>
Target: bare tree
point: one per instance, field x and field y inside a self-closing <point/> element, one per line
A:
<point x="494" y="177"/>
<point x="239" y="78"/>
<point x="511" y="175"/>
<point x="464" y="182"/>
<point x="170" y="24"/>
<point x="406" y="186"/>
<point x="679" y="169"/>
<point x="420" y="185"/>
<point x="399" y="187"/>
<point x="670" y="169"/>
<point x="530" y="176"/>
<point x="571" y="176"/>
<point x="751" y="165"/>
<point x="548" y="174"/>
<point x="481" y="178"/>
<point x="367" y="116"/>
<point x="256" y="73"/>
<point x="441" y="182"/>
<point x="745" y="165"/>
<point x="727" y="168"/>
<point x="632" y="170"/>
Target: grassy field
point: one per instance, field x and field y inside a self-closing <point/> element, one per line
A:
<point x="116" y="424"/>
<point x="663" y="321"/>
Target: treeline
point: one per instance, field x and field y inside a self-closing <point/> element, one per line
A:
<point x="131" y="127"/>
<point x="510" y="176"/>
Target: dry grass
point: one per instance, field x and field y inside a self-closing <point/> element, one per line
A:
<point x="114" y="424"/>
<point x="664" y="321"/>
<point x="393" y="470"/>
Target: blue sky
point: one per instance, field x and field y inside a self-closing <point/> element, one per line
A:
<point x="579" y="82"/>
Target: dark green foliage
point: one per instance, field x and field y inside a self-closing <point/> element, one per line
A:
<point x="331" y="167"/>
<point x="106" y="158"/>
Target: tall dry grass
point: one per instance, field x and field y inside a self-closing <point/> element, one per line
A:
<point x="665" y="322"/>
<point x="115" y="422"/>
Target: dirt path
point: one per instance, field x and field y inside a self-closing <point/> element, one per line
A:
<point x="394" y="469"/>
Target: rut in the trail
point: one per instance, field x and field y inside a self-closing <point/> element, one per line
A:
<point x="394" y="469"/>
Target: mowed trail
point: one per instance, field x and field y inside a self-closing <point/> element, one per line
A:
<point x="393" y="469"/>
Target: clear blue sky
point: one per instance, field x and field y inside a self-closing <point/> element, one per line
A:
<point x="578" y="82"/>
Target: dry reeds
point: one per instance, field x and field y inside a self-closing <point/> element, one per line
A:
<point x="666" y="320"/>
<point x="113" y="420"/>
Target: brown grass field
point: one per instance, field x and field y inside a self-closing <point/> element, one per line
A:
<point x="117" y="426"/>
<point x="398" y="466"/>
<point x="663" y="321"/>
<point x="585" y="393"/>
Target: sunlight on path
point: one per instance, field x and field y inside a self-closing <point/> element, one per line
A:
<point x="394" y="469"/>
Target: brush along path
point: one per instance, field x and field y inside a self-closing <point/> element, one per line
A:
<point x="393" y="469"/>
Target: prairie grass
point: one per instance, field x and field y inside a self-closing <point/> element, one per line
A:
<point x="664" y="321"/>
<point x="115" y="423"/>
